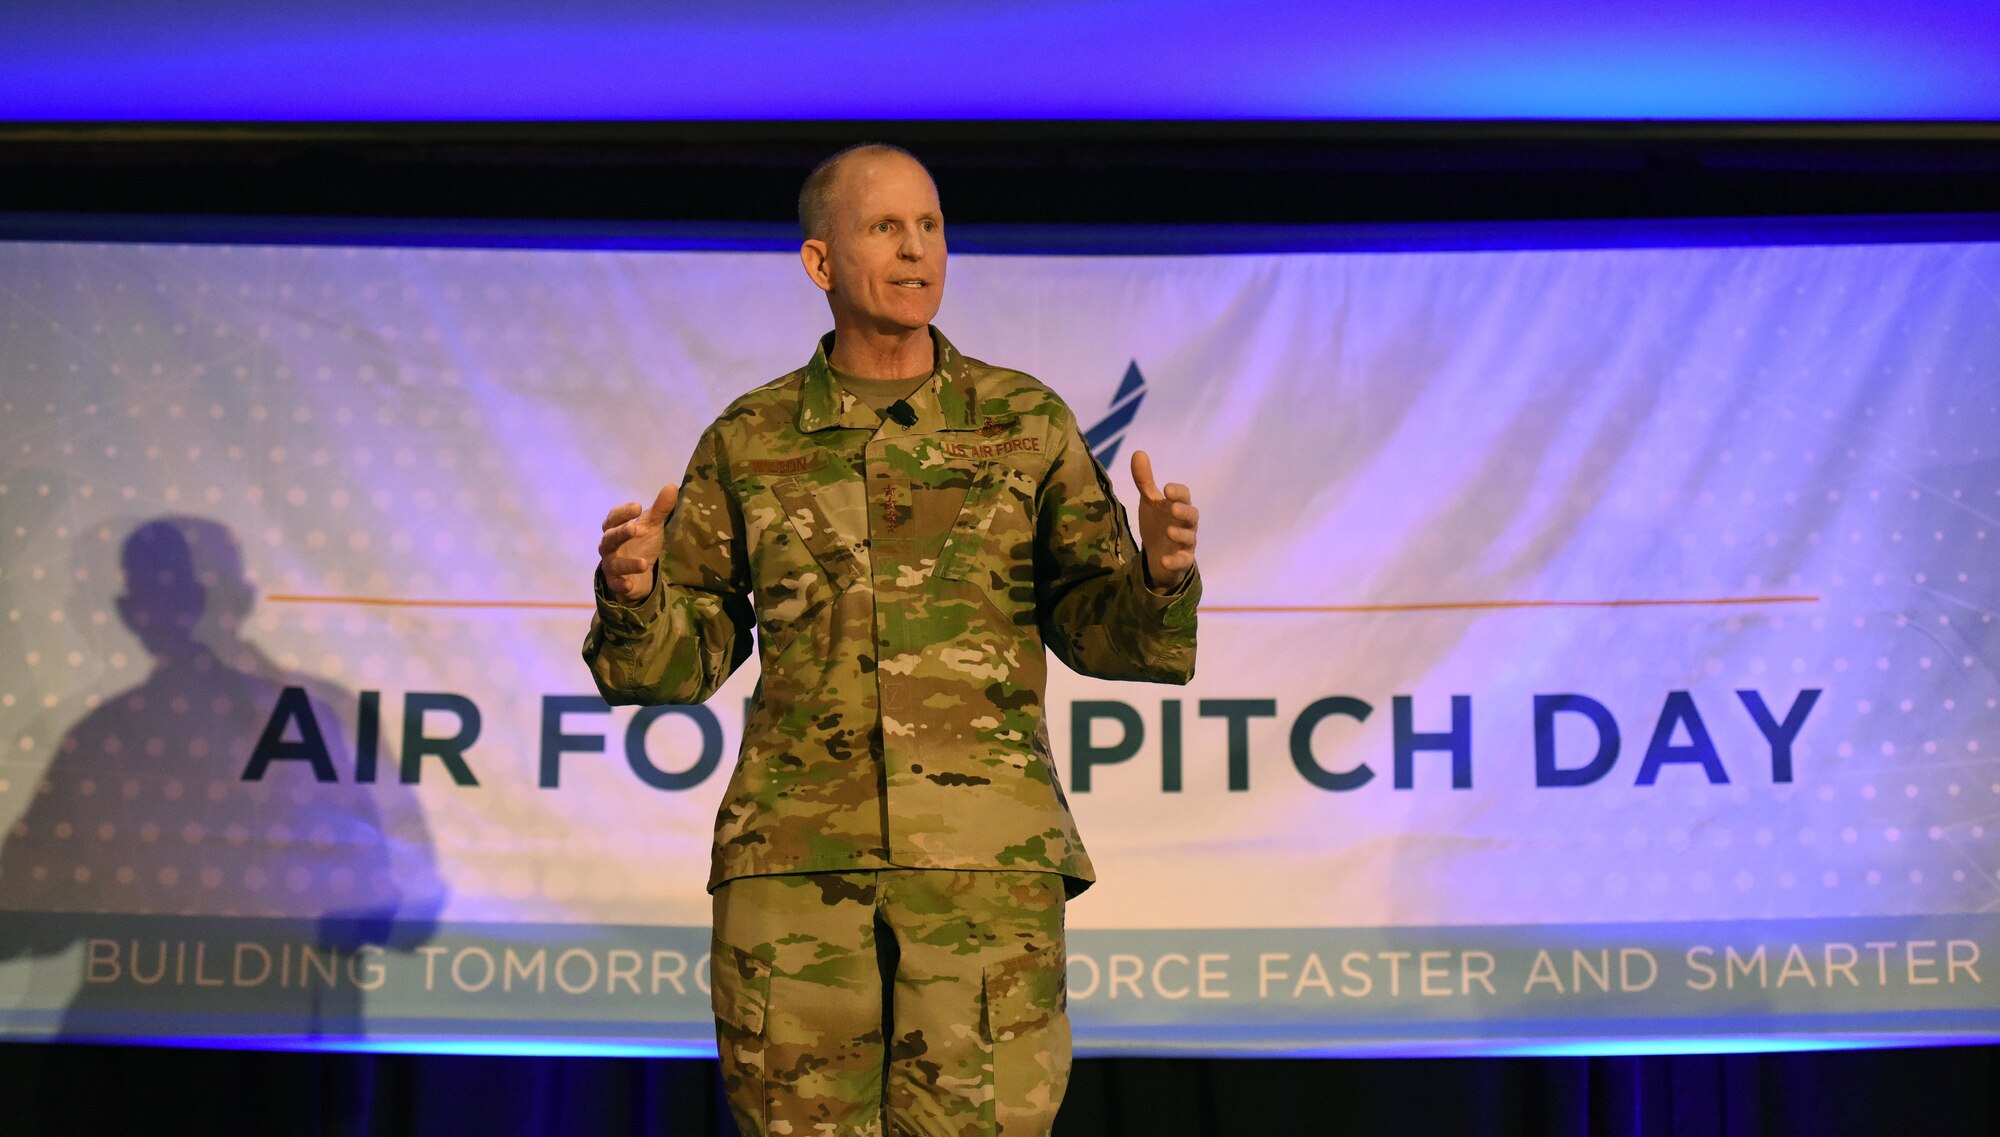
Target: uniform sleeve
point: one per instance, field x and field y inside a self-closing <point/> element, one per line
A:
<point x="688" y="635"/>
<point x="1096" y="612"/>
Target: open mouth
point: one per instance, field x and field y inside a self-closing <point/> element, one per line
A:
<point x="908" y="283"/>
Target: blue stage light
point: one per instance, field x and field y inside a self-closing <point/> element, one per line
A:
<point x="611" y="59"/>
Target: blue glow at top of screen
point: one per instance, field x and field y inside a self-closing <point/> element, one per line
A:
<point x="896" y="59"/>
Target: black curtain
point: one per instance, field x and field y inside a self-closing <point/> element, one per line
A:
<point x="1934" y="1092"/>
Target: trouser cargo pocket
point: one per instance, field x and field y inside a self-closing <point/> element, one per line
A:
<point x="740" y="993"/>
<point x="1027" y="1032"/>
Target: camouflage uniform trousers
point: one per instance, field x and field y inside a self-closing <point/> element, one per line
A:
<point x="964" y="969"/>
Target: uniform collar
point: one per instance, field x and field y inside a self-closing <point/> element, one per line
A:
<point x="947" y="402"/>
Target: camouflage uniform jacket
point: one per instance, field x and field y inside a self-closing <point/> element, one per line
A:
<point x="906" y="579"/>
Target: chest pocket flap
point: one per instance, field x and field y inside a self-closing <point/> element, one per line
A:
<point x="970" y="532"/>
<point x="832" y="522"/>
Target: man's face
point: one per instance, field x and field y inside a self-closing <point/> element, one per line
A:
<point x="882" y="263"/>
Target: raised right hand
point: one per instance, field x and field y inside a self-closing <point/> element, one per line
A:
<point x="631" y="545"/>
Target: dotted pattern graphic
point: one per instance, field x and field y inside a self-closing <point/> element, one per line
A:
<point x="186" y="432"/>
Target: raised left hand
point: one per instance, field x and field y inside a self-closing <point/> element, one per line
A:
<point x="1167" y="521"/>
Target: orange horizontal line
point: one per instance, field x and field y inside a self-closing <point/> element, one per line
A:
<point x="1486" y="605"/>
<point x="1215" y="609"/>
<point x="400" y="602"/>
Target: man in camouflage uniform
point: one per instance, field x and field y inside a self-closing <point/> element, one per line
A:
<point x="893" y="853"/>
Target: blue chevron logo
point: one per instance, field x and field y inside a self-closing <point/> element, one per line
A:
<point x="1105" y="438"/>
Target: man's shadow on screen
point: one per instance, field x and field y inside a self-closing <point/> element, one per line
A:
<point x="145" y="811"/>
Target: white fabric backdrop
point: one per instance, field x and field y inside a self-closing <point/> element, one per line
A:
<point x="1421" y="474"/>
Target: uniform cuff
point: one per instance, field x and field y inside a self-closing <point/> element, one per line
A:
<point x="1176" y="609"/>
<point x="624" y="618"/>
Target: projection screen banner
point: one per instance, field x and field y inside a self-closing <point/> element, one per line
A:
<point x="1599" y="645"/>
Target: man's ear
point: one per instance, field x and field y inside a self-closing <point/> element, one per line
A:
<point x="813" y="254"/>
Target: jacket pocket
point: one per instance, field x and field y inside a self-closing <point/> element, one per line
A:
<point x="989" y="492"/>
<point x="832" y="522"/>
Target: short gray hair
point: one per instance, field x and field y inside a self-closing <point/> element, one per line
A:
<point x="816" y="196"/>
